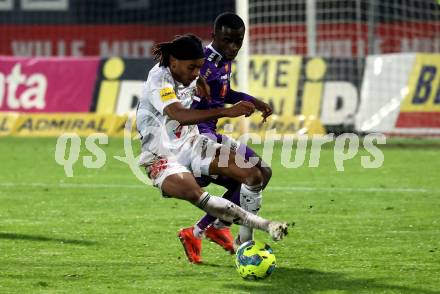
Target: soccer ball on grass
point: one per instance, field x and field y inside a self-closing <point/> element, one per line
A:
<point x="255" y="260"/>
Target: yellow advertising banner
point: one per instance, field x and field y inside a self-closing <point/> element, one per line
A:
<point x="120" y="124"/>
<point x="7" y="120"/>
<point x="49" y="125"/>
<point x="274" y="79"/>
<point x="84" y="124"/>
<point x="423" y="92"/>
<point x="421" y="105"/>
<point x="299" y="125"/>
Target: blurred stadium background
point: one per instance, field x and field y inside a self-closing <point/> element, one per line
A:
<point x="326" y="66"/>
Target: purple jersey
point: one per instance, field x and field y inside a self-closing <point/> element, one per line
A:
<point x="217" y="72"/>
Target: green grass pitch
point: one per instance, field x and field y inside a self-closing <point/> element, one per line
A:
<point x="102" y="231"/>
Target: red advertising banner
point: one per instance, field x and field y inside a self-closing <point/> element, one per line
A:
<point x="89" y="40"/>
<point x="347" y="39"/>
<point x="47" y="84"/>
<point x="334" y="39"/>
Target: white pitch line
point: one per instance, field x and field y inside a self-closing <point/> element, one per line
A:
<point x="350" y="189"/>
<point x="270" y="188"/>
<point x="72" y="185"/>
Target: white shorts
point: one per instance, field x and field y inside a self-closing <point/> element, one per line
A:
<point x="193" y="157"/>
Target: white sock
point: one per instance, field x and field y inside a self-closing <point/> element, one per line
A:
<point x="218" y="224"/>
<point x="250" y="200"/>
<point x="198" y="232"/>
<point x="228" y="211"/>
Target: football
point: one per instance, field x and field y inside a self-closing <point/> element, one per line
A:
<point x="255" y="260"/>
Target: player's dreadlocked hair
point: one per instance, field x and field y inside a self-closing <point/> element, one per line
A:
<point x="185" y="47"/>
<point x="228" y="19"/>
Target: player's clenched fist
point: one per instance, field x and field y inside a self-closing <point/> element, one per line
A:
<point x="203" y="89"/>
<point x="241" y="108"/>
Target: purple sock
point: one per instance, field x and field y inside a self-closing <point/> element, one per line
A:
<point x="233" y="195"/>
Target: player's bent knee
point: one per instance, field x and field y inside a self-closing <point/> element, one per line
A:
<point x="267" y="174"/>
<point x="192" y="194"/>
<point x="182" y="186"/>
<point x="254" y="177"/>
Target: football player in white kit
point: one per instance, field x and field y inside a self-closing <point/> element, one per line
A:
<point x="173" y="151"/>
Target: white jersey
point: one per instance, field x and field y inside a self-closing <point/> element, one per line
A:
<point x="161" y="135"/>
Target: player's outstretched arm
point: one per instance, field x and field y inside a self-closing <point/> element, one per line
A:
<point x="262" y="106"/>
<point x="185" y="116"/>
<point x="235" y="96"/>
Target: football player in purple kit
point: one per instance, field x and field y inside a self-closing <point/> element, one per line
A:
<point x="227" y="39"/>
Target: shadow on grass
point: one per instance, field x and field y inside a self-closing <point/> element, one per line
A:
<point x="302" y="280"/>
<point x="14" y="236"/>
<point x="214" y="265"/>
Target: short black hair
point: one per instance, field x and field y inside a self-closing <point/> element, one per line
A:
<point x="228" y="19"/>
